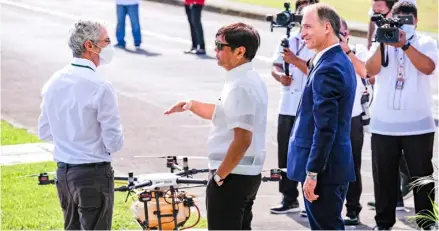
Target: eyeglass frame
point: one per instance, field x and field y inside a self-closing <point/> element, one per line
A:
<point x="220" y="45"/>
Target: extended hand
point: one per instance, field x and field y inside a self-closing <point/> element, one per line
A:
<point x="308" y="189"/>
<point x="178" y="107"/>
<point x="344" y="43"/>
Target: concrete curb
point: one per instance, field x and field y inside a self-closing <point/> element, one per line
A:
<point x="245" y="14"/>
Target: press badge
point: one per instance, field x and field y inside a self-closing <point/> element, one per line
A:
<point x="399" y="83"/>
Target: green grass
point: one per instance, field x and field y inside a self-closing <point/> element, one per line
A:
<point x="11" y="135"/>
<point x="26" y="205"/>
<point x="357" y="10"/>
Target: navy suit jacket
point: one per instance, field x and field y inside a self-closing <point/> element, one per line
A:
<point x="320" y="138"/>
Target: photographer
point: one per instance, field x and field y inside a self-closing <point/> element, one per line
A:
<point x="291" y="91"/>
<point x="358" y="56"/>
<point x="402" y="118"/>
<point x="381" y="7"/>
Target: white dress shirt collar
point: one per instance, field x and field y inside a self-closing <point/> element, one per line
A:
<point x="84" y="62"/>
<point x="238" y="72"/>
<point x="320" y="54"/>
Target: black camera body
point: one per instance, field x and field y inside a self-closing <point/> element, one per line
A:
<point x="285" y="19"/>
<point x="388" y="28"/>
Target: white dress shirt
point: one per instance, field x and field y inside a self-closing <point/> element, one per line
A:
<point x="361" y="53"/>
<point x="408" y="111"/>
<point x="290" y="95"/>
<point x="243" y="104"/>
<point x="79" y="114"/>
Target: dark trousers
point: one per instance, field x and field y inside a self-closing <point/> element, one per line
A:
<point x="133" y="13"/>
<point x="325" y="212"/>
<point x="86" y="195"/>
<point x="287" y="187"/>
<point x="353" y="205"/>
<point x="193" y="13"/>
<point x="386" y="154"/>
<point x="229" y="206"/>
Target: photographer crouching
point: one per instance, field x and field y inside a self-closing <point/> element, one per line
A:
<point x="402" y="121"/>
<point x="294" y="54"/>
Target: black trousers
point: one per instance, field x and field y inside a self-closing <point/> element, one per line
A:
<point x="355" y="189"/>
<point x="193" y="13"/>
<point x="229" y="206"/>
<point x="386" y="154"/>
<point x="287" y="187"/>
<point x="86" y="195"/>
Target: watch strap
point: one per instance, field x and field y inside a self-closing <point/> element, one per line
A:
<point x="406" y="46"/>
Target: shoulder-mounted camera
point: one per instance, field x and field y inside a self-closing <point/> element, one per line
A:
<point x="388" y="31"/>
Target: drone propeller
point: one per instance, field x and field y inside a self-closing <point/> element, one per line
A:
<point x="37" y="174"/>
<point x="178" y="157"/>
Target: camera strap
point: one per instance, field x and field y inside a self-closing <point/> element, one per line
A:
<point x="400" y="78"/>
<point x="384" y="59"/>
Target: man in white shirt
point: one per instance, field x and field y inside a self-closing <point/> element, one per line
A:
<point x="130" y="8"/>
<point x="402" y="117"/>
<point x="291" y="92"/>
<point x="358" y="55"/>
<point x="236" y="143"/>
<point x="79" y="115"/>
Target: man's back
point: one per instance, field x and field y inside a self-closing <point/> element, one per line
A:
<point x="81" y="115"/>
<point x="321" y="136"/>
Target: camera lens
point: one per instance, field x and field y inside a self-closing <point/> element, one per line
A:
<point x="283" y="19"/>
<point x="389" y="35"/>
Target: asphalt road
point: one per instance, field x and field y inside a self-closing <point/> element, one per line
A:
<point x="34" y="45"/>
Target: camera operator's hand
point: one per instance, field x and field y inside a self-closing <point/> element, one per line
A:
<point x="344" y="43"/>
<point x="285" y="80"/>
<point x="289" y="56"/>
<point x="402" y="40"/>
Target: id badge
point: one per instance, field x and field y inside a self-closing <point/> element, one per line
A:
<point x="399" y="83"/>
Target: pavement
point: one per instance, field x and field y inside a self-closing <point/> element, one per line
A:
<point x="148" y="81"/>
<point x="258" y="12"/>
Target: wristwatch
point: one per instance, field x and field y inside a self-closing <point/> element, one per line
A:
<point x="348" y="52"/>
<point x="312" y="175"/>
<point x="217" y="178"/>
<point x="406" y="46"/>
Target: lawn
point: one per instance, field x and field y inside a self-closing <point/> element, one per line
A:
<point x="26" y="205"/>
<point x="11" y="135"/>
<point x="357" y="10"/>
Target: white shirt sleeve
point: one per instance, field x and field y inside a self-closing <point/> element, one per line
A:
<point x="370" y="13"/>
<point x="109" y="118"/>
<point x="361" y="52"/>
<point x="428" y="47"/>
<point x="240" y="109"/>
<point x="43" y="124"/>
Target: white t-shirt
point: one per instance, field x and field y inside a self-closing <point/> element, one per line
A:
<point x="408" y="111"/>
<point x="243" y="104"/>
<point x="127" y="2"/>
<point x="361" y="53"/>
<point x="290" y="95"/>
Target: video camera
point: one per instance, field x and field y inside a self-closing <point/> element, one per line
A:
<point x="388" y="31"/>
<point x="285" y="19"/>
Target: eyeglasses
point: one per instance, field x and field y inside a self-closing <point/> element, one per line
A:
<point x="220" y="45"/>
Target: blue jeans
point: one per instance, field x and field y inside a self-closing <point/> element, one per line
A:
<point x="133" y="13"/>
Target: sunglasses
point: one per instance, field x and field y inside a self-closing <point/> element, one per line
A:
<point x="220" y="45"/>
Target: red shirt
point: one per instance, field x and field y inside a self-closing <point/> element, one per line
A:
<point x="198" y="2"/>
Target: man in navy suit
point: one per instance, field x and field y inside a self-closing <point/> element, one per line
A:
<point x="319" y="152"/>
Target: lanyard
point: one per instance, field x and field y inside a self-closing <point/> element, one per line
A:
<point x="298" y="50"/>
<point x="400" y="79"/>
<point x="82" y="66"/>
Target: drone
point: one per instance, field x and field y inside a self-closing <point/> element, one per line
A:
<point x="160" y="200"/>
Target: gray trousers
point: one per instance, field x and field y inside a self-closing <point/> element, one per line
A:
<point x="86" y="195"/>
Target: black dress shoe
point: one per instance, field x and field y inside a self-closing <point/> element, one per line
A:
<point x="382" y="228"/>
<point x="352" y="219"/>
<point x="286" y="208"/>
